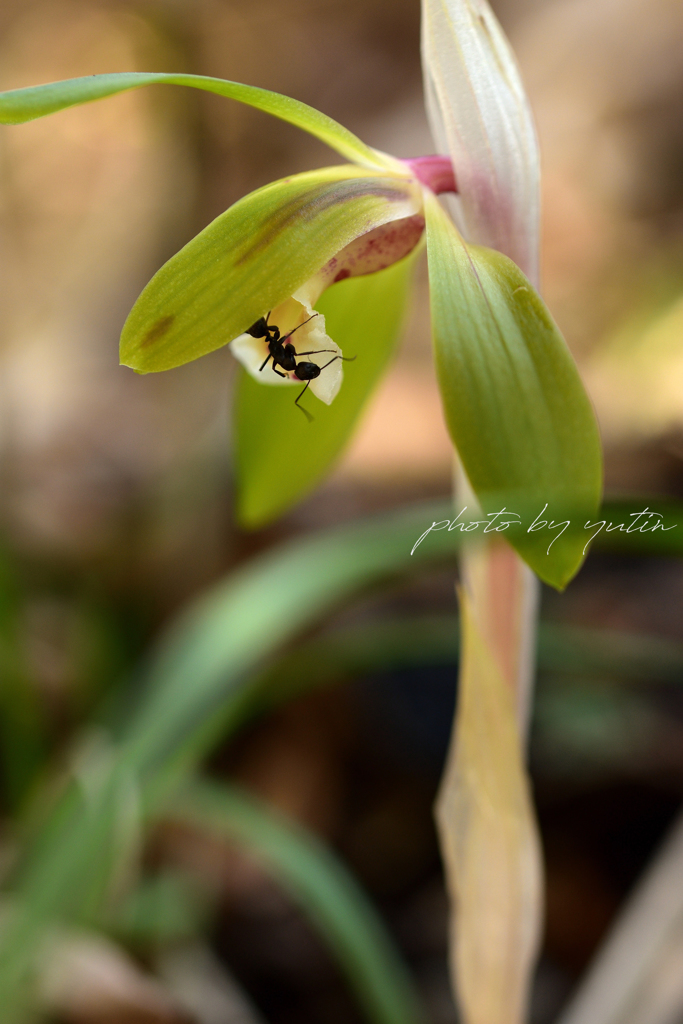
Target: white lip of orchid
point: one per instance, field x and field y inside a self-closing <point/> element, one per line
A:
<point x="291" y="315"/>
<point x="480" y="116"/>
<point x="366" y="254"/>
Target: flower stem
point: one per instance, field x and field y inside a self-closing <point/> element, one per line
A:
<point x="436" y="172"/>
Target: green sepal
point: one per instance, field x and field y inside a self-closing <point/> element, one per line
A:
<point x="20" y="105"/>
<point x="253" y="257"/>
<point x="280" y="456"/>
<point x="516" y="409"/>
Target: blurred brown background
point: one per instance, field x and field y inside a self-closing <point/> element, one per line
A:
<point x="115" y="490"/>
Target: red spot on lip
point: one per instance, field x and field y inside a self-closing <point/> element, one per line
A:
<point x="376" y="249"/>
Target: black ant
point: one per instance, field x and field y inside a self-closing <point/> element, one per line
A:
<point x="262" y="329"/>
<point x="283" y="354"/>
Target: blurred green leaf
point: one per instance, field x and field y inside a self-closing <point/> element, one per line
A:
<point x="624" y="528"/>
<point x="194" y="687"/>
<point x="320" y="885"/>
<point x="20" y="105"/>
<point x="199" y="683"/>
<point x="198" y="678"/>
<point x="280" y="456"/>
<point x="515" y="405"/>
<point x="164" y="908"/>
<point x="253" y="257"/>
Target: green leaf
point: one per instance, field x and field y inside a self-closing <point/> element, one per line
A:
<point x="363" y="315"/>
<point x="162" y="908"/>
<point x="645" y="525"/>
<point x="253" y="257"/>
<point x="237" y="625"/>
<point x="514" y="402"/>
<point x="20" y="105"/>
<point x="320" y="885"/>
<point x="194" y="689"/>
<point x="201" y="683"/>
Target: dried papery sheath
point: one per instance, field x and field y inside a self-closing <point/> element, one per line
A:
<point x="480" y="117"/>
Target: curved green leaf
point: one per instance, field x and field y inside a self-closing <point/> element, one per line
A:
<point x="196" y="683"/>
<point x="320" y="884"/>
<point x="204" y="677"/>
<point x="253" y="257"/>
<point x="202" y="682"/>
<point x="195" y="688"/>
<point x="20" y="105"/>
<point x="363" y="315"/>
<point x="514" y="402"/>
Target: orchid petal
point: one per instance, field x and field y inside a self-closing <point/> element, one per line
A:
<point x="255" y="256"/>
<point x="515" y="406"/>
<point x="20" y="105"/>
<point x="481" y="118"/>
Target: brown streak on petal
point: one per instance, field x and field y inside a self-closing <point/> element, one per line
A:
<point x="158" y="330"/>
<point x="319" y="199"/>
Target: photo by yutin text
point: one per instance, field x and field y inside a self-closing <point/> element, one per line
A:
<point x="498" y="522"/>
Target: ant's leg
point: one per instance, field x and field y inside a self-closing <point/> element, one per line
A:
<point x="279" y="374"/>
<point x="265" y="361"/>
<point x="304" y="411"/>
<point x="315" y="352"/>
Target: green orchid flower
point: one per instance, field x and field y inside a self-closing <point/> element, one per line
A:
<point x="327" y="256"/>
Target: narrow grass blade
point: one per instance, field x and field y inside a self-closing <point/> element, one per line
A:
<point x="192" y="689"/>
<point x="636" y="977"/>
<point x="320" y="885"/>
<point x="197" y="685"/>
<point x="20" y="105"/>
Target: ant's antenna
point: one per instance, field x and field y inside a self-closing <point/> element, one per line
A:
<point x="300" y="325"/>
